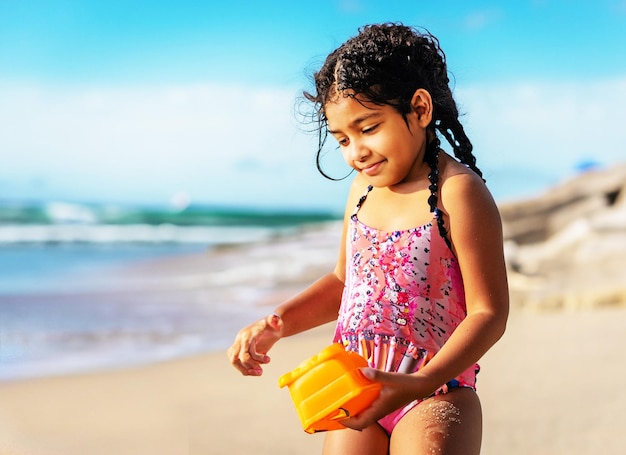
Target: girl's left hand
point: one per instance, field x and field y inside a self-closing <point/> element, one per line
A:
<point x="398" y="390"/>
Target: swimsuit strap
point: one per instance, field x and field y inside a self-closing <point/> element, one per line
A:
<point x="361" y="201"/>
<point x="432" y="159"/>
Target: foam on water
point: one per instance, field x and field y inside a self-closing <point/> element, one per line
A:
<point x="143" y="305"/>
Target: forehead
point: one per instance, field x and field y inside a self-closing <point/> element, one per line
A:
<point x="344" y="109"/>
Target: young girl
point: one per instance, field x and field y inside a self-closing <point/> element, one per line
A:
<point x="420" y="287"/>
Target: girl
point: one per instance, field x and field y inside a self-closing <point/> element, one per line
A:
<point x="420" y="286"/>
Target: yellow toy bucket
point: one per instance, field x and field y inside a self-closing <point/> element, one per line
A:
<point x="329" y="387"/>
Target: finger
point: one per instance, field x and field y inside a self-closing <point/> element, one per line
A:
<point x="242" y="361"/>
<point x="255" y="371"/>
<point x="233" y="357"/>
<point x="249" y="368"/>
<point x="356" y="423"/>
<point x="255" y="355"/>
<point x="379" y="376"/>
<point x="232" y="354"/>
<point x="243" y="370"/>
<point x="251" y="360"/>
<point x="370" y="373"/>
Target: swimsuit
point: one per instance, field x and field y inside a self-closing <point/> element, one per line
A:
<point x="402" y="300"/>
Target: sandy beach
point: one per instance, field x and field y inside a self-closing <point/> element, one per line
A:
<point x="549" y="387"/>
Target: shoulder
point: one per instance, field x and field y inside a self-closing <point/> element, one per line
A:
<point x="467" y="203"/>
<point x="460" y="187"/>
<point x="357" y="189"/>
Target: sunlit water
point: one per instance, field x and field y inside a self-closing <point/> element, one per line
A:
<point x="73" y="300"/>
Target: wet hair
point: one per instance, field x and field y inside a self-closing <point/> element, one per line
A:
<point x="385" y="64"/>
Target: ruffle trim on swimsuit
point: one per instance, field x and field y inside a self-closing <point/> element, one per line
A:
<point x="393" y="354"/>
<point x="386" y="352"/>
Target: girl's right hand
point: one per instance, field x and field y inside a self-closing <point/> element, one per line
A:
<point x="249" y="350"/>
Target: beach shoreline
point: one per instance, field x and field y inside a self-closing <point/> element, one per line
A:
<point x="159" y="308"/>
<point x="542" y="387"/>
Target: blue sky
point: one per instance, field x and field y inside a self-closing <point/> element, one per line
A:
<point x="149" y="102"/>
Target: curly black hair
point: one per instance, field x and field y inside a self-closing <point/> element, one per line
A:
<point x="386" y="64"/>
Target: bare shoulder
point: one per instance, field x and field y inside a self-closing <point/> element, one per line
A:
<point x="469" y="210"/>
<point x="357" y="189"/>
<point x="462" y="189"/>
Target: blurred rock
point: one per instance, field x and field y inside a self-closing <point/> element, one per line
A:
<point x="567" y="247"/>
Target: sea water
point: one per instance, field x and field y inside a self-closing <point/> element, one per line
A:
<point x="88" y="287"/>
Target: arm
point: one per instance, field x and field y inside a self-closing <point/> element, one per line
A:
<point x="476" y="232"/>
<point x="319" y="303"/>
<point x="314" y="306"/>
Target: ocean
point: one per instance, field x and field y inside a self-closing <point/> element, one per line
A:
<point x="86" y="286"/>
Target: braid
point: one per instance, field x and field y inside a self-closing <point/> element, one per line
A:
<point x="461" y="145"/>
<point x="431" y="158"/>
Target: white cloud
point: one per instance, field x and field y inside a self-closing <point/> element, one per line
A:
<point x="548" y="128"/>
<point x="242" y="145"/>
<point x="216" y="143"/>
<point x="350" y="6"/>
<point x="478" y="20"/>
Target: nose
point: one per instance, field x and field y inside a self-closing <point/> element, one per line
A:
<point x="357" y="152"/>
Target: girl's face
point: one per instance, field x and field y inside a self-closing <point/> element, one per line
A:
<point x="377" y="141"/>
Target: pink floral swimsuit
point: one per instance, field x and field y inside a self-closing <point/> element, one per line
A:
<point x="402" y="300"/>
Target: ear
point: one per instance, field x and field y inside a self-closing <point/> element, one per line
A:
<point x="422" y="105"/>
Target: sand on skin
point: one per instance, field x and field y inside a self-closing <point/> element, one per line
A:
<point x="550" y="386"/>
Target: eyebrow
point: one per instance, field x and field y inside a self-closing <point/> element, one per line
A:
<point x="357" y="121"/>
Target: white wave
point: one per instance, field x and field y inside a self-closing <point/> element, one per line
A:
<point x="63" y="212"/>
<point x="134" y="233"/>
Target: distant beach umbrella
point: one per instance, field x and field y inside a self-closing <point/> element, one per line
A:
<point x="586" y="165"/>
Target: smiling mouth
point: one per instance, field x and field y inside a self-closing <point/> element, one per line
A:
<point x="369" y="170"/>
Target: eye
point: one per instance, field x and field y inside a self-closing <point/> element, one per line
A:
<point x="342" y="141"/>
<point x="370" y="129"/>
